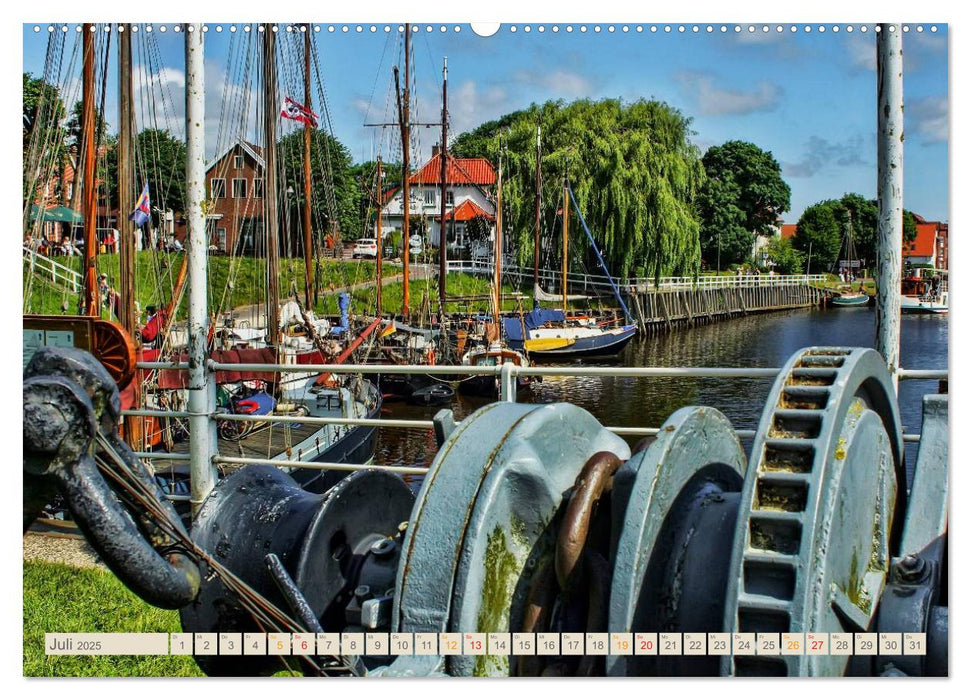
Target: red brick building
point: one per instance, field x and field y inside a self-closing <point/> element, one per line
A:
<point x="235" y="191"/>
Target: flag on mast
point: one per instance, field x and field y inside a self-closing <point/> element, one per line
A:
<point x="297" y="112"/>
<point x="143" y="210"/>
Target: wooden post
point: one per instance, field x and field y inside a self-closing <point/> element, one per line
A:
<point x="442" y="238"/>
<point x="308" y="245"/>
<point x="566" y="243"/>
<point x="126" y="229"/>
<point x="890" y="191"/>
<point x="92" y="306"/>
<point x="379" y="239"/>
<point x="270" y="202"/>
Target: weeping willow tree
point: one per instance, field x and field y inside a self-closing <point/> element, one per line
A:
<point x="633" y="170"/>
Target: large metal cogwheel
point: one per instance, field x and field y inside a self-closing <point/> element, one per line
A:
<point x="821" y="508"/>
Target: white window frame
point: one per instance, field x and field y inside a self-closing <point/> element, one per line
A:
<point x="257" y="191"/>
<point x="212" y="188"/>
<point x="221" y="238"/>
<point x="429" y="196"/>
<point x="449" y="198"/>
<point x="245" y="188"/>
<point x="238" y="161"/>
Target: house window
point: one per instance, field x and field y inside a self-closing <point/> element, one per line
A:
<point x="217" y="188"/>
<point x="258" y="188"/>
<point x="239" y="188"/>
<point x="238" y="162"/>
<point x="450" y="198"/>
<point x="460" y="235"/>
<point x="221" y="239"/>
<point x="429" y="197"/>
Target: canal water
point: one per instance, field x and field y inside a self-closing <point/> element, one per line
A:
<point x="765" y="340"/>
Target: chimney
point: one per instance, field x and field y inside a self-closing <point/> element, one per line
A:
<point x="436" y="149"/>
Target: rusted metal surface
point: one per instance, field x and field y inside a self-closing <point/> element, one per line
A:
<point x="590" y="485"/>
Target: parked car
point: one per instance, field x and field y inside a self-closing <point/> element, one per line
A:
<point x="365" y="248"/>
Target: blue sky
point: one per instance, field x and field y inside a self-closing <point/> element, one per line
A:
<point x="809" y="98"/>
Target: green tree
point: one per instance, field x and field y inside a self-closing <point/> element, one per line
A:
<point x="743" y="196"/>
<point x="339" y="191"/>
<point x="159" y="159"/>
<point x="864" y="214"/>
<point x="820" y="234"/>
<point x="43" y="132"/>
<point x="788" y="260"/>
<point x="632" y="168"/>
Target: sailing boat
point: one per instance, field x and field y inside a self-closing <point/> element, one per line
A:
<point x="549" y="334"/>
<point x="846" y="296"/>
<point x="267" y="395"/>
<point x="494" y="351"/>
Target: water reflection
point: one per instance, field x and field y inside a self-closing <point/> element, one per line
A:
<point x="751" y="341"/>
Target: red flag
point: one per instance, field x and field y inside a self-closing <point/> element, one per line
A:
<point x="297" y="112"/>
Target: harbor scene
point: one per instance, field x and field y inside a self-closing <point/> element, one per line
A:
<point x="382" y="338"/>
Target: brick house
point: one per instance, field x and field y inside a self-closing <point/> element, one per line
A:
<point x="468" y="194"/>
<point x="234" y="189"/>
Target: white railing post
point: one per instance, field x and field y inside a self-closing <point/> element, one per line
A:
<point x="507" y="382"/>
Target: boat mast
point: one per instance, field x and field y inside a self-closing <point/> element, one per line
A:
<point x="91" y="305"/>
<point x="442" y="238"/>
<point x="126" y="180"/>
<point x="269" y="159"/>
<point x="890" y="191"/>
<point x="404" y="121"/>
<point x="377" y="237"/>
<point x="539" y="185"/>
<point x="497" y="252"/>
<point x="126" y="229"/>
<point x="308" y="250"/>
<point x="566" y="231"/>
<point x="202" y="398"/>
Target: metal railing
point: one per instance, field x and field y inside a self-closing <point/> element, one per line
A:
<point x="58" y="273"/>
<point x="642" y="285"/>
<point x="506" y="375"/>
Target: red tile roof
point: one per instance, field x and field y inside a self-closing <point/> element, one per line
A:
<point x="923" y="245"/>
<point x="788" y="230"/>
<point x="461" y="171"/>
<point x="466" y="211"/>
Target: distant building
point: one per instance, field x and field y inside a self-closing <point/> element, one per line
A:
<point x="234" y="189"/>
<point x="930" y="245"/>
<point x="469" y="182"/>
<point x="928" y="248"/>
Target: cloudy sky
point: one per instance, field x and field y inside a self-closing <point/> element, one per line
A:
<point x="809" y="98"/>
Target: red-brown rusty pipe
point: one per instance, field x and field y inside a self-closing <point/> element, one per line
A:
<point x="598" y="575"/>
<point x="536" y="618"/>
<point x="592" y="481"/>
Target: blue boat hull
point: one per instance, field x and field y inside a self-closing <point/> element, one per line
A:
<point x="597" y="346"/>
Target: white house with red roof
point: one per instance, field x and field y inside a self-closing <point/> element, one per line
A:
<point x="930" y="245"/>
<point x="470" y="183"/>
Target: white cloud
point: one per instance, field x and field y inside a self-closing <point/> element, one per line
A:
<point x="928" y="117"/>
<point x="561" y="83"/>
<point x="862" y="50"/>
<point x="712" y="98"/>
<point x="822" y="154"/>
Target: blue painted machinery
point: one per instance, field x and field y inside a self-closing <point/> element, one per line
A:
<point x="536" y="518"/>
